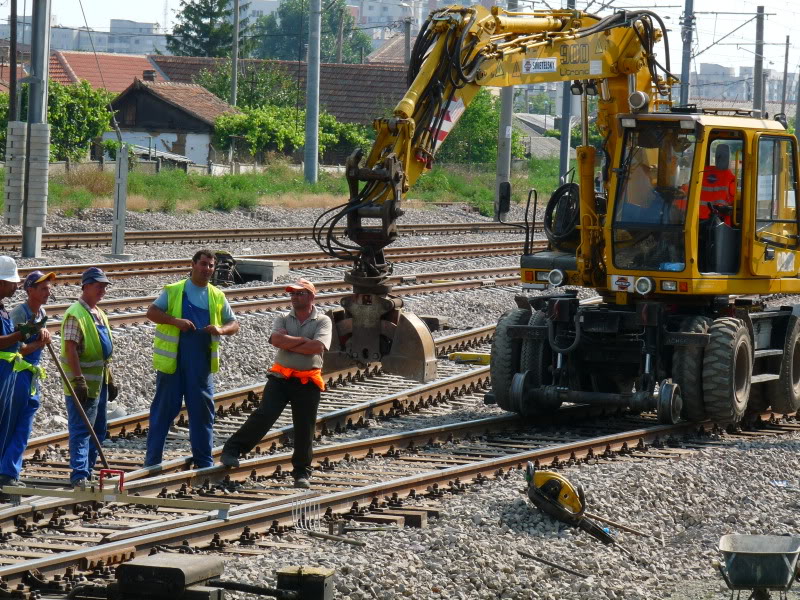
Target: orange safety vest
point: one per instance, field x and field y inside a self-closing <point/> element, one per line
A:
<point x="719" y="187"/>
<point x="313" y="375"/>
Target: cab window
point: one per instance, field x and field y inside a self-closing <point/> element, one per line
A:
<point x="776" y="192"/>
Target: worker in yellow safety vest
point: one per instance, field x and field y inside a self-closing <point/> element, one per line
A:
<point x="86" y="349"/>
<point x="190" y="317"/>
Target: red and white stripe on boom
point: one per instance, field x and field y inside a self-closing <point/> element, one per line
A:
<point x="451" y="117"/>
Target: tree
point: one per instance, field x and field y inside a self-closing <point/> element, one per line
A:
<point x="259" y="83"/>
<point x="282" y="129"/>
<point x="283" y="35"/>
<point x="205" y="28"/>
<point x="474" y="138"/>
<point x="77" y="115"/>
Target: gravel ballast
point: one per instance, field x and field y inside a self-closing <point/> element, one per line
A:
<point x="471" y="551"/>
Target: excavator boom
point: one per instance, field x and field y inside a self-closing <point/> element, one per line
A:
<point x="458" y="51"/>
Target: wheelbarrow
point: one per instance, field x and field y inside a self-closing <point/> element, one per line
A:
<point x="759" y="563"/>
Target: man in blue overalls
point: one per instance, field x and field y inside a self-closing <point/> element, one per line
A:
<point x="86" y="348"/>
<point x="9" y="344"/>
<point x="25" y="402"/>
<point x="190" y="317"/>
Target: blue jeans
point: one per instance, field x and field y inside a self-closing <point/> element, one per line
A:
<point x="82" y="450"/>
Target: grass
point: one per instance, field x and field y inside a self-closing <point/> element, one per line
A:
<point x="281" y="185"/>
<point x="475" y="184"/>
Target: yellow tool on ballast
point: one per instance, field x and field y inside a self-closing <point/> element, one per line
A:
<point x="555" y="496"/>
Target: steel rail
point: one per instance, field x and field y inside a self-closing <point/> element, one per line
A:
<point x="235" y="398"/>
<point x="284" y="303"/>
<point x="111" y="305"/>
<point x="55" y="240"/>
<point x="259" y="518"/>
<point x="70" y="274"/>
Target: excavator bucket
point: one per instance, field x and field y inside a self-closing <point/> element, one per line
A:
<point x="372" y="329"/>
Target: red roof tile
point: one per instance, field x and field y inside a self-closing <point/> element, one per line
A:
<point x="352" y="93"/>
<point x="191" y="98"/>
<point x="115" y="72"/>
<point x="393" y="51"/>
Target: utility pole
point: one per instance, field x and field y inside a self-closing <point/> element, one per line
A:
<point x="311" y="154"/>
<point x="12" y="56"/>
<point x="687" y="28"/>
<point x="340" y="37"/>
<point x="785" y="77"/>
<point x="407" y="31"/>
<point x="566" y="113"/>
<point x="38" y="159"/>
<point x="235" y="53"/>
<point x="504" y="137"/>
<point x="797" y="106"/>
<point x="758" y="69"/>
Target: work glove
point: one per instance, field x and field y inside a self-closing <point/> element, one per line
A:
<point x="32" y="327"/>
<point x="113" y="390"/>
<point x="81" y="390"/>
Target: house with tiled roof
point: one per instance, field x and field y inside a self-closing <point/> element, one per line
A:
<point x="114" y="72"/>
<point x="351" y="93"/>
<point x="169" y="116"/>
<point x="392" y="51"/>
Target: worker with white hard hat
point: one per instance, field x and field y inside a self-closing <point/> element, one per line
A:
<point x="25" y="402"/>
<point x="10" y="339"/>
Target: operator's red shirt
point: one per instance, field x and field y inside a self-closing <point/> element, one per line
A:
<point x="719" y="187"/>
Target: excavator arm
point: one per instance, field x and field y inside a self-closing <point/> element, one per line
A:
<point x="458" y="51"/>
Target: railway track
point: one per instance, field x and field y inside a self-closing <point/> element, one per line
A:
<point x="389" y="479"/>
<point x="354" y="397"/>
<point x="131" y="311"/>
<point x="70" y="274"/>
<point x="77" y="239"/>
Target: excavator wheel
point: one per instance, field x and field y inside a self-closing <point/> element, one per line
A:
<point x="505" y="356"/>
<point x="727" y="370"/>
<point x="784" y="393"/>
<point x="537" y="358"/>
<point x="687" y="369"/>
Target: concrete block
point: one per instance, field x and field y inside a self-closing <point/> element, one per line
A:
<point x="253" y="269"/>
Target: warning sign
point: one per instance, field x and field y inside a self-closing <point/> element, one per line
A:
<point x="600" y="45"/>
<point x="517" y="71"/>
<point x="499" y="70"/>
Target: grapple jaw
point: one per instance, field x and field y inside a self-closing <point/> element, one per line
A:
<point x="373" y="328"/>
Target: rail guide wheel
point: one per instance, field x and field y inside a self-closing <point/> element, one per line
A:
<point x="669" y="403"/>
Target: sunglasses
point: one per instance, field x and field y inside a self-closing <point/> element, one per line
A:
<point x="303" y="293"/>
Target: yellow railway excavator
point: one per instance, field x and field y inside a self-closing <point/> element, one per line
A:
<point x="692" y="224"/>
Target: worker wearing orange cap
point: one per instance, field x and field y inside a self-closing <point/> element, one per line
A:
<point x="295" y="378"/>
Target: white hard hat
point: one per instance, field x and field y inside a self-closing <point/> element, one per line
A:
<point x="8" y="269"/>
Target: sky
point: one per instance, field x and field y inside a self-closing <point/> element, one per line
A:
<point x="783" y="16"/>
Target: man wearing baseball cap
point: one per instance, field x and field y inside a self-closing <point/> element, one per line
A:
<point x="86" y="349"/>
<point x="295" y="377"/>
<point x="37" y="286"/>
<point x="190" y="317"/>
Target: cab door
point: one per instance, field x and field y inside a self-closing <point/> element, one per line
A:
<point x="775" y="231"/>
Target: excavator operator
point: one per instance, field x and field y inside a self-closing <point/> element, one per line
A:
<point x="719" y="185"/>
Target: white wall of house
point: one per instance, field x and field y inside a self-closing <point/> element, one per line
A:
<point x="197" y="144"/>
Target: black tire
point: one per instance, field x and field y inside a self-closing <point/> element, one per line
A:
<point x="537" y="359"/>
<point x="537" y="356"/>
<point x="505" y="356"/>
<point x="784" y="393"/>
<point x="687" y="369"/>
<point x="727" y="369"/>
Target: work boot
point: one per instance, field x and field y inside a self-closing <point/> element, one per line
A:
<point x="79" y="484"/>
<point x="302" y="483"/>
<point x="229" y="460"/>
